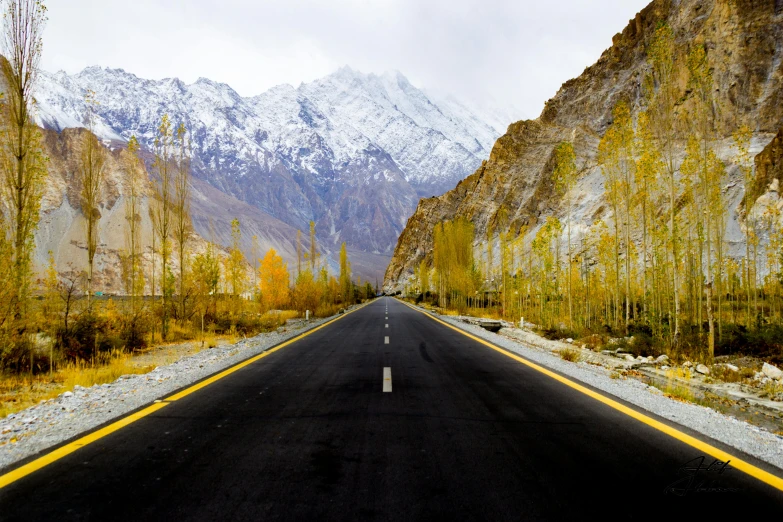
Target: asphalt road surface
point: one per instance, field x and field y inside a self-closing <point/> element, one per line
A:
<point x="410" y="421"/>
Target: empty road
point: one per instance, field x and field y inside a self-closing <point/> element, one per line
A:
<point x="386" y="414"/>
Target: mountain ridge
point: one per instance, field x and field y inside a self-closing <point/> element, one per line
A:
<point x="351" y="151"/>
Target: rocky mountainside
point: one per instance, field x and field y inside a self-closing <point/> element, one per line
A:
<point x="744" y="43"/>
<point x="351" y="151"/>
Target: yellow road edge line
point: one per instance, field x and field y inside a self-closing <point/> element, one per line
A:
<point x="55" y="455"/>
<point x="69" y="448"/>
<point x="746" y="467"/>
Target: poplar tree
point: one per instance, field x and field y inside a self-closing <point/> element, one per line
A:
<point x="91" y="164"/>
<point x="254" y="253"/>
<point x="181" y="208"/>
<point x="345" y="274"/>
<point x="22" y="160"/>
<point x="742" y="137"/>
<point x="298" y="252"/>
<point x="665" y="128"/>
<point x="235" y="266"/>
<point x="565" y="179"/>
<point x="313" y="248"/>
<point x="161" y="209"/>
<point x="132" y="267"/>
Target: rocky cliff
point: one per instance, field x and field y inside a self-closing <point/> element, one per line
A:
<point x="744" y="43"/>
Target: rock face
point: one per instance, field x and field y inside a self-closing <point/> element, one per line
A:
<point x="744" y="42"/>
<point x="352" y="152"/>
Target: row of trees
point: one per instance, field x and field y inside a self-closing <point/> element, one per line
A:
<point x="659" y="265"/>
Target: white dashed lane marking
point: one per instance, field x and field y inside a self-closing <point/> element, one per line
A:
<point x="387" y="385"/>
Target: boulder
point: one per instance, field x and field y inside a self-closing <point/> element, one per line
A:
<point x="731" y="367"/>
<point x="702" y="369"/>
<point x="687" y="364"/>
<point x="629" y="357"/>
<point x="662" y="358"/>
<point x="773" y="372"/>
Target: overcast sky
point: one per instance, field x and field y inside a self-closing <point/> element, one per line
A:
<point x="510" y="53"/>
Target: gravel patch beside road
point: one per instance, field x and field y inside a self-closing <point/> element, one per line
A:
<point x="72" y="413"/>
<point x="736" y="433"/>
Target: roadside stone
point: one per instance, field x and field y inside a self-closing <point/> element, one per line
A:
<point x="662" y="358"/>
<point x="687" y="364"/>
<point x="773" y="372"/>
<point x="702" y="369"/>
<point x="664" y="367"/>
<point x="569" y="340"/>
<point x="629" y="357"/>
<point x="731" y="367"/>
<point x="68" y="394"/>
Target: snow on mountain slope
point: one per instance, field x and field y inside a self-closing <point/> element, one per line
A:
<point x="351" y="151"/>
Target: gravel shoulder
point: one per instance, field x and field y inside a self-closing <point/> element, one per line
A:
<point x="72" y="413"/>
<point x="738" y="434"/>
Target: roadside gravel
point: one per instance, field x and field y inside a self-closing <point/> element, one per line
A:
<point x="72" y="413"/>
<point x="745" y="437"/>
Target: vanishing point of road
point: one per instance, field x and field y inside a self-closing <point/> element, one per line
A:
<point x="387" y="414"/>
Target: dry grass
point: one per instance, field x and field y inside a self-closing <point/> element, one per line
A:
<point x="677" y="390"/>
<point x="20" y="392"/>
<point x="570" y="354"/>
<point x="724" y="374"/>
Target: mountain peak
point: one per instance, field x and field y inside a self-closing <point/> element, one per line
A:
<point x="351" y="151"/>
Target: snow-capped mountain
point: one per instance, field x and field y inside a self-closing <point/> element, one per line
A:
<point x="354" y="152"/>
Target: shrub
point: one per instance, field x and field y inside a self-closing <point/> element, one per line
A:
<point x="570" y="354"/>
<point x="84" y="339"/>
<point x="134" y="332"/>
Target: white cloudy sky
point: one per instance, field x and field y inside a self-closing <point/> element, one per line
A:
<point x="509" y="53"/>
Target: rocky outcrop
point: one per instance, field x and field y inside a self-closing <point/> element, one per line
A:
<point x="744" y="42"/>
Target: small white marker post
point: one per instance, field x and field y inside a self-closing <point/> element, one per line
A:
<point x="387" y="383"/>
<point x="387" y="325"/>
<point x="386" y="340"/>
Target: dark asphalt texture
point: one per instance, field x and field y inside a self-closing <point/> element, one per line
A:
<point x="307" y="434"/>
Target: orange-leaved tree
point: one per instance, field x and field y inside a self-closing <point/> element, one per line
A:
<point x="273" y="281"/>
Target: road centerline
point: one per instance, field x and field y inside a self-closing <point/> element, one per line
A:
<point x="387" y="380"/>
